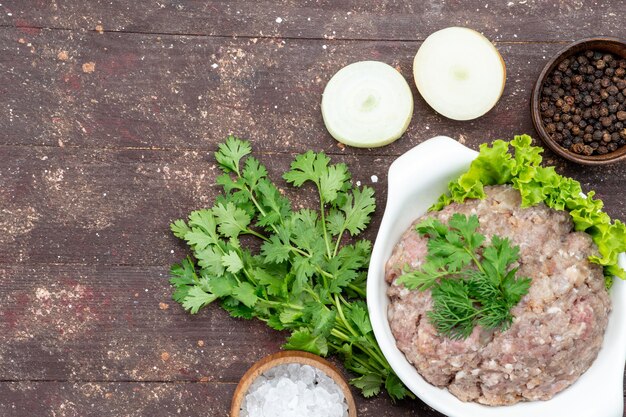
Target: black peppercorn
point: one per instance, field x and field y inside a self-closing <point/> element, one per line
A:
<point x="583" y="103"/>
<point x="577" y="147"/>
<point x="597" y="135"/>
<point x="604" y="111"/>
<point x="595" y="113"/>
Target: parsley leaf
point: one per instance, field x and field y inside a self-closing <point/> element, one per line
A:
<point x="471" y="283"/>
<point x="369" y="384"/>
<point x="231" y="152"/>
<point x="304" y="279"/>
<point x="196" y="299"/>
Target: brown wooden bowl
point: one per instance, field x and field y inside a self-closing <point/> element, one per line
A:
<point x="610" y="45"/>
<point x="290" y="356"/>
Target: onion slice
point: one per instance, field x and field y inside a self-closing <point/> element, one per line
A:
<point x="459" y="72"/>
<point x="367" y="104"/>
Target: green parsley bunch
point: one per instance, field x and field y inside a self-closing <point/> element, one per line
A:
<point x="305" y="279"/>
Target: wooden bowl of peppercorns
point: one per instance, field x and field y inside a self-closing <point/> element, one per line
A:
<point x="578" y="105"/>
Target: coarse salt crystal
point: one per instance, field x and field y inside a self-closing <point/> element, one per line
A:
<point x="374" y="178"/>
<point x="294" y="390"/>
<point x="279" y="20"/>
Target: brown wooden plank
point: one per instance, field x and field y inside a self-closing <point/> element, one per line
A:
<point x="97" y="399"/>
<point x="64" y="205"/>
<point x="63" y="399"/>
<point x="346" y="19"/>
<point x="81" y="324"/>
<point x="163" y="92"/>
<point x="91" y="323"/>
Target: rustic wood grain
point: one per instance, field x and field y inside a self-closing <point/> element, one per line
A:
<point x="179" y="92"/>
<point x="64" y="205"/>
<point x="101" y="399"/>
<point x="518" y="20"/>
<point x="88" y="323"/>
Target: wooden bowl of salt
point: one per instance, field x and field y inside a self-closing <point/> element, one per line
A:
<point x="276" y="366"/>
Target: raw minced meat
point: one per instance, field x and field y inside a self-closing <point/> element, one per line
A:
<point x="558" y="326"/>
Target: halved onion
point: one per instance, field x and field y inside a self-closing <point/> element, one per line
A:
<point x="459" y="73"/>
<point x="367" y="104"/>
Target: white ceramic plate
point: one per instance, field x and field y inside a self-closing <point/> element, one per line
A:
<point x="416" y="180"/>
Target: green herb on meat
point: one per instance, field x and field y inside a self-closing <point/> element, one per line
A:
<point x="537" y="184"/>
<point x="304" y="279"/>
<point x="472" y="282"/>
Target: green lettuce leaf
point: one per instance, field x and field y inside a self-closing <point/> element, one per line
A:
<point x="536" y="184"/>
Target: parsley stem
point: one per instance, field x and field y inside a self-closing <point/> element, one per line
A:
<point x="364" y="363"/>
<point x="280" y="304"/>
<point x="343" y="317"/>
<point x="342" y="320"/>
<point x="339" y="237"/>
<point x="357" y="290"/>
<point x="475" y="259"/>
<point x="254" y="233"/>
<point x="323" y="216"/>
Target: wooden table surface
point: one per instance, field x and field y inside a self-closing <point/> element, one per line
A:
<point x="109" y="112"/>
